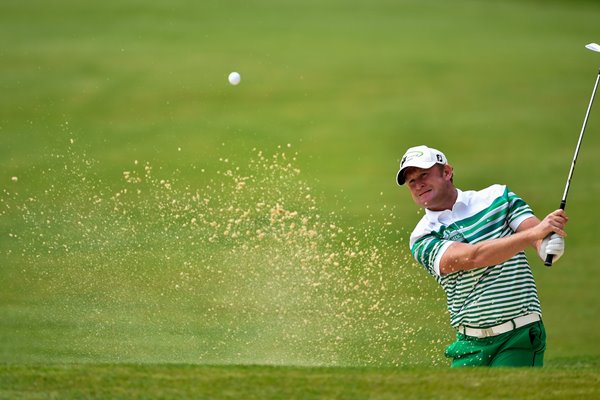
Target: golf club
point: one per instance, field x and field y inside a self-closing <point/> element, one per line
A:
<point x="563" y="203"/>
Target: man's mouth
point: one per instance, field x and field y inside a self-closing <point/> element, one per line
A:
<point x="425" y="192"/>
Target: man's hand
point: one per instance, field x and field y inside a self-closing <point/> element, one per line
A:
<point x="553" y="223"/>
<point x="552" y="244"/>
<point x="552" y="234"/>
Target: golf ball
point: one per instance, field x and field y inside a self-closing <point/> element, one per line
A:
<point x="234" y="78"/>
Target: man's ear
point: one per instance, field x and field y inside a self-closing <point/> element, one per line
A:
<point x="448" y="172"/>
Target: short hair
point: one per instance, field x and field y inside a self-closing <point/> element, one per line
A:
<point x="441" y="168"/>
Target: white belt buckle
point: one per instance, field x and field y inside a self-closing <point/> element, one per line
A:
<point x="487" y="332"/>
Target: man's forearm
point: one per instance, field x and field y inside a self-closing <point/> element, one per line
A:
<point x="528" y="224"/>
<point x="465" y="256"/>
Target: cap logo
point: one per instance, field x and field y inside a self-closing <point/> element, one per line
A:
<point x="439" y="158"/>
<point x="410" y="156"/>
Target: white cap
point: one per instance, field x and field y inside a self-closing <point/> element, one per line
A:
<point x="420" y="157"/>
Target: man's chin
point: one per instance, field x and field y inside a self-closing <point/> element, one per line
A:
<point x="425" y="198"/>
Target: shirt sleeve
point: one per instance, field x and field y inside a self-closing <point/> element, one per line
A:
<point x="428" y="251"/>
<point x="518" y="210"/>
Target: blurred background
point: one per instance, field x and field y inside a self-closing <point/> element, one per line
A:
<point x="152" y="212"/>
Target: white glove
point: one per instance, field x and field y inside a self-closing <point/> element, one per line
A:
<point x="554" y="245"/>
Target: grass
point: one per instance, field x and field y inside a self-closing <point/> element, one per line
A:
<point x="259" y="382"/>
<point x="155" y="220"/>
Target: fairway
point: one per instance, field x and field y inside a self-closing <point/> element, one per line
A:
<point x="159" y="224"/>
<point x="252" y="382"/>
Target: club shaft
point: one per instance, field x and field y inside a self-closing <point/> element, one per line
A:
<point x="572" y="169"/>
<point x="563" y="202"/>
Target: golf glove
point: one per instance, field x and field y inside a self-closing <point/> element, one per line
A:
<point x="554" y="245"/>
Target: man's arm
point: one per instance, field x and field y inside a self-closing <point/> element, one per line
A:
<point x="465" y="256"/>
<point x="528" y="224"/>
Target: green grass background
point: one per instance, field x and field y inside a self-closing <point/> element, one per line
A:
<point x="501" y="87"/>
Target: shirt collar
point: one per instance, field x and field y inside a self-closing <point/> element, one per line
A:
<point x="461" y="199"/>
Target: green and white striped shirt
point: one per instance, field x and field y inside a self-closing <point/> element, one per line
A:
<point x="481" y="297"/>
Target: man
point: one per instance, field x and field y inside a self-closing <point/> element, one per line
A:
<point x="473" y="244"/>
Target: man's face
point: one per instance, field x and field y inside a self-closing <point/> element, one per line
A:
<point x="430" y="187"/>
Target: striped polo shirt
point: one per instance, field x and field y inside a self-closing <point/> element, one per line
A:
<point x="481" y="297"/>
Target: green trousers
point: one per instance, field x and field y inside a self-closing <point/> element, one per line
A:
<point x="522" y="347"/>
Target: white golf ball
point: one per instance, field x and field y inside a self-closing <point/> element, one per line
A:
<point x="234" y="78"/>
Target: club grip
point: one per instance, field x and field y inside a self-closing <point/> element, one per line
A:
<point x="550" y="257"/>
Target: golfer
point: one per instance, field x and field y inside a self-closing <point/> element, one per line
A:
<point x="473" y="244"/>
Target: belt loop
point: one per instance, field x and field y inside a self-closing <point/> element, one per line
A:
<point x="514" y="324"/>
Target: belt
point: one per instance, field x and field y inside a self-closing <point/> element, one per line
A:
<point x="499" y="329"/>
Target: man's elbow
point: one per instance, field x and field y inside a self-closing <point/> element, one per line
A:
<point x="466" y="260"/>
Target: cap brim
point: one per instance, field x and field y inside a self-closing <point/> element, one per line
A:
<point x="400" y="175"/>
